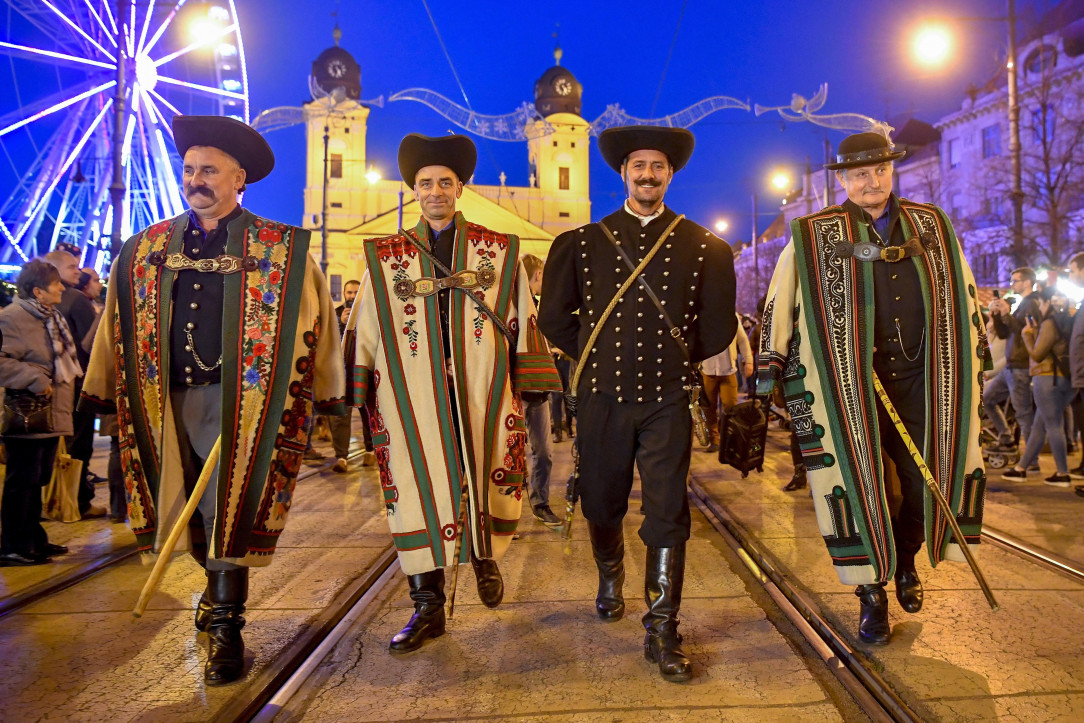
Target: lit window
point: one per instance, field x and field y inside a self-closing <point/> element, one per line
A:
<point x="563" y="179"/>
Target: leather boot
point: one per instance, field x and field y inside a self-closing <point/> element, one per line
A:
<point x="608" y="546"/>
<point x="427" y="592"/>
<point x="798" y="481"/>
<point x="228" y="590"/>
<point x="490" y="584"/>
<point x="662" y="592"/>
<point x="203" y="612"/>
<point x="908" y="586"/>
<point x="873" y="627"/>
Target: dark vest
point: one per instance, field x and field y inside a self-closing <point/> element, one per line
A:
<point x="197" y="308"/>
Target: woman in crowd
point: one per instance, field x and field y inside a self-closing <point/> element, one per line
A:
<point x="38" y="357"/>
<point x="1051" y="388"/>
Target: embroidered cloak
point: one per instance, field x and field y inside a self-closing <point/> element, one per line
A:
<point x="280" y="354"/>
<point x="429" y="444"/>
<point x="817" y="337"/>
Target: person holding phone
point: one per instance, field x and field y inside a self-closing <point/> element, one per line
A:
<point x="1014" y="381"/>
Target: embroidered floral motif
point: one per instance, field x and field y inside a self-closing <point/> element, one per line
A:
<point x="412" y="335"/>
<point x="263" y="286"/>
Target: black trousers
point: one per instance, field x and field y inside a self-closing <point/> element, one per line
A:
<point x="908" y="395"/>
<point x="30" y="466"/>
<point x="81" y="447"/>
<point x="657" y="437"/>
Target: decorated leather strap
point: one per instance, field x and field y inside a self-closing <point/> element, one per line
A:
<point x="866" y="251"/>
<point x="480" y="278"/>
<point x="428" y="285"/>
<point x="223" y="264"/>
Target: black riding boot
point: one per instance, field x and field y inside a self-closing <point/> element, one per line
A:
<point x="908" y="586"/>
<point x="662" y="592"/>
<point x="203" y="611"/>
<point x="490" y="584"/>
<point x="798" y="481"/>
<point x="427" y="592"/>
<point x="228" y="590"/>
<point x="873" y="624"/>
<point x="608" y="546"/>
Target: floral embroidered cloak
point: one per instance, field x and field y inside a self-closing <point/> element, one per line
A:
<point x="433" y="438"/>
<point x="280" y="355"/>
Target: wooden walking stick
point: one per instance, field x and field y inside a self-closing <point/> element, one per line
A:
<point x="935" y="490"/>
<point x="460" y="531"/>
<point x="175" y="534"/>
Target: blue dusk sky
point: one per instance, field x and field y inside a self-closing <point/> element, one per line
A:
<point x="652" y="59"/>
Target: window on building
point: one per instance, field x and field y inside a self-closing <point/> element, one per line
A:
<point x="1041" y="59"/>
<point x="563" y="179"/>
<point x="555" y="144"/>
<point x="336" y="286"/>
<point x="335" y="204"/>
<point x="957" y="206"/>
<point x="991" y="141"/>
<point x="335" y="165"/>
<point x="954" y="152"/>
<point x="563" y="214"/>
<point x="1043" y="123"/>
<point x="573" y="144"/>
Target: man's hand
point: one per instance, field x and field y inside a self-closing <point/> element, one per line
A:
<point x="48" y="391"/>
<point x="999" y="307"/>
<point x="748" y="369"/>
<point x="345" y="315"/>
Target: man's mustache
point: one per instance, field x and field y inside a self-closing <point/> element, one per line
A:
<point x="648" y="184"/>
<point x="201" y="190"/>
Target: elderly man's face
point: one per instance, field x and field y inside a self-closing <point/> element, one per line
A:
<point x="647" y="175"/>
<point x="212" y="179"/>
<point x="868" y="186"/>
<point x="437" y="188"/>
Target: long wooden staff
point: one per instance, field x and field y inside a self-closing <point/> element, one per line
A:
<point x="935" y="490"/>
<point x="175" y="534"/>
<point x="460" y="531"/>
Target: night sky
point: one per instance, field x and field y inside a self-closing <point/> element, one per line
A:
<point x="760" y="52"/>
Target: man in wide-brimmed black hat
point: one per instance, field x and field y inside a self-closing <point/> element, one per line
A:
<point x="633" y="398"/>
<point x="879" y="286"/>
<point x="223" y="326"/>
<point x="444" y="340"/>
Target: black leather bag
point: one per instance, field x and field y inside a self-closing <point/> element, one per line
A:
<point x="26" y="413"/>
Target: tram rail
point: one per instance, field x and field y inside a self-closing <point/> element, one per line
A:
<point x="64" y="580"/>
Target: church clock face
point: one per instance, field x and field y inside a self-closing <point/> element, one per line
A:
<point x="336" y="68"/>
<point x="562" y="86"/>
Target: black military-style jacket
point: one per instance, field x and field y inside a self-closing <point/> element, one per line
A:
<point x="198" y="298"/>
<point x="897" y="294"/>
<point x="634" y="358"/>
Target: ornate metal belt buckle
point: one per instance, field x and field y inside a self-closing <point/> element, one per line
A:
<point x="892" y="254"/>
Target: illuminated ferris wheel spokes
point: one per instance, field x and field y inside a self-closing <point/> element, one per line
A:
<point x="62" y="137"/>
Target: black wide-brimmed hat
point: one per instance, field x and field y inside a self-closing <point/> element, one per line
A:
<point x="417" y="151"/>
<point x="864" y="149"/>
<point x="228" y="135"/>
<point x="617" y="143"/>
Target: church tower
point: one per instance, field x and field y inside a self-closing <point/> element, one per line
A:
<point x="559" y="161"/>
<point x="335" y="111"/>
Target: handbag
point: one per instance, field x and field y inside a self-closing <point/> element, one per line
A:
<point x="60" y="498"/>
<point x="26" y="413"/>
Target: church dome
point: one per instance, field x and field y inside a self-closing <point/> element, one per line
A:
<point x="335" y="68"/>
<point x="558" y="91"/>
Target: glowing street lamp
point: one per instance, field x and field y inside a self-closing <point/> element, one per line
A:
<point x="932" y="45"/>
<point x="780" y="181"/>
<point x="721" y="225"/>
<point x="372" y="175"/>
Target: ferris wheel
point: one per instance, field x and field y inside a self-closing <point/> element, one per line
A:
<point x="57" y="112"/>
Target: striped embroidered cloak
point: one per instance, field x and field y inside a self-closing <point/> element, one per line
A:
<point x="395" y="364"/>
<point x="817" y="337"/>
<point x="276" y="360"/>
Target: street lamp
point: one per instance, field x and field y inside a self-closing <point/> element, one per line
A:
<point x="372" y="175"/>
<point x="780" y="181"/>
<point x="721" y="225"/>
<point x="932" y="46"/>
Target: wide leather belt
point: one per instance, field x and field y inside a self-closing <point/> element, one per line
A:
<point x="428" y="285"/>
<point x="224" y="264"/>
<point x="872" y="252"/>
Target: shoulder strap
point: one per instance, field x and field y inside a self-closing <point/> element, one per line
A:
<point x="478" y="301"/>
<point x="586" y="351"/>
